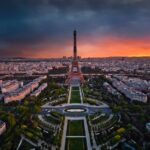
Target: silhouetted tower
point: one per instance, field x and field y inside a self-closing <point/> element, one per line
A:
<point x="75" y="77"/>
<point x="75" y="45"/>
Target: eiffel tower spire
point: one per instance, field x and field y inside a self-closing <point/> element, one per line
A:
<point x="75" y="44"/>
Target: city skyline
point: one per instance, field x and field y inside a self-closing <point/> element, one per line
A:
<point x="75" y="75"/>
<point x="61" y="103"/>
<point x="41" y="29"/>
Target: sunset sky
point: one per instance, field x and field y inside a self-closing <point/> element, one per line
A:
<point x="43" y="28"/>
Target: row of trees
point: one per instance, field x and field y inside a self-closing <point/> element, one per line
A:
<point x="20" y="121"/>
<point x="21" y="116"/>
<point x="60" y="70"/>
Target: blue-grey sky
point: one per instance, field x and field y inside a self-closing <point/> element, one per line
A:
<point x="43" y="28"/>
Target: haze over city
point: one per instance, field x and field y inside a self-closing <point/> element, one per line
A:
<point x="41" y="28"/>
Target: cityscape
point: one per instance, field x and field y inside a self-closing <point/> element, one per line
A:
<point x="84" y="98"/>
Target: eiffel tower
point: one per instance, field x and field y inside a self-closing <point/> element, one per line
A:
<point x="75" y="77"/>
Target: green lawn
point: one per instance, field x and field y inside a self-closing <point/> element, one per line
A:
<point x="75" y="128"/>
<point x="56" y="115"/>
<point x="75" y="88"/>
<point x="75" y="96"/>
<point x="52" y="119"/>
<point x="76" y="144"/>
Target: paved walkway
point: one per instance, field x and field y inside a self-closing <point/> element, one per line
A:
<point x="47" y="123"/>
<point x="99" y="124"/>
<point x="81" y="97"/>
<point x="20" y="143"/>
<point x="93" y="140"/>
<point x="89" y="109"/>
<point x="63" y="140"/>
<point x="69" y="97"/>
<point x="29" y="141"/>
<point x="87" y="134"/>
<point x="75" y="104"/>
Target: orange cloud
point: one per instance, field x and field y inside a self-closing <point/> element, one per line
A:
<point x="113" y="46"/>
<point x="100" y="47"/>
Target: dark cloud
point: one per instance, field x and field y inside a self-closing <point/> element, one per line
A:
<point x="34" y="23"/>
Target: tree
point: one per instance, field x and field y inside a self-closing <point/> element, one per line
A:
<point x="116" y="138"/>
<point x="11" y="119"/>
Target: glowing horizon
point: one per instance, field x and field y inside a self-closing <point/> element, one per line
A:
<point x="43" y="28"/>
<point x="98" y="47"/>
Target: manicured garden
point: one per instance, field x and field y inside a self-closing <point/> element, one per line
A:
<point x="52" y="119"/>
<point x="76" y="144"/>
<point x="25" y="145"/>
<point x="75" y="96"/>
<point x="75" y="88"/>
<point x="99" y="119"/>
<point x="57" y="115"/>
<point x="75" y="128"/>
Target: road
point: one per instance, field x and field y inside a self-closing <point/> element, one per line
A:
<point x="88" y="109"/>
